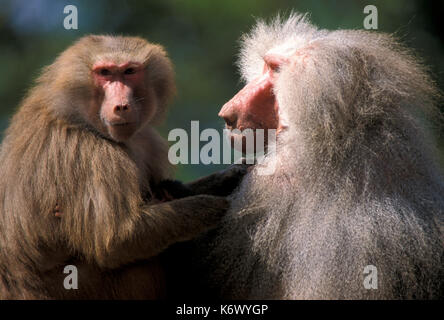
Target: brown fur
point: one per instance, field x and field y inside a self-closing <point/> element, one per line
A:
<point x="54" y="153"/>
<point x="356" y="180"/>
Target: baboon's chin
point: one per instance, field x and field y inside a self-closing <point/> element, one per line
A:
<point x="122" y="132"/>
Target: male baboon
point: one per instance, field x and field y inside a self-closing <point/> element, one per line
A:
<point x="356" y="182"/>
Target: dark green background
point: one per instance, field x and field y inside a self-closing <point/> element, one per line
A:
<point x="201" y="37"/>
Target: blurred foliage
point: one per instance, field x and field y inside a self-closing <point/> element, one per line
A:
<point x="201" y="37"/>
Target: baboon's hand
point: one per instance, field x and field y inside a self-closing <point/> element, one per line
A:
<point x="221" y="183"/>
<point x="185" y="219"/>
<point x="203" y="211"/>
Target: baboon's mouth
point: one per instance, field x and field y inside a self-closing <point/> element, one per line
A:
<point x="230" y="125"/>
<point x="120" y="124"/>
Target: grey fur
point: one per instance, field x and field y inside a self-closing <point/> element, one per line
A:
<point x="356" y="184"/>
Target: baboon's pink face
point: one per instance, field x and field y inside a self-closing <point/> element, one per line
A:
<point x="255" y="106"/>
<point x="121" y="98"/>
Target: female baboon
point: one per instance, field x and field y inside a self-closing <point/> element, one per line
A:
<point x="82" y="143"/>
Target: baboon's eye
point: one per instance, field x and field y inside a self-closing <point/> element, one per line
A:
<point x="105" y="72"/>
<point x="130" y="71"/>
